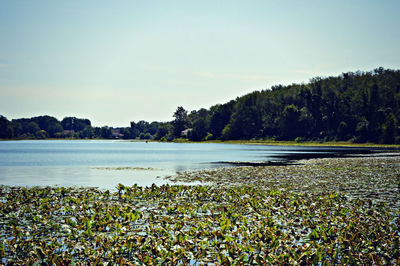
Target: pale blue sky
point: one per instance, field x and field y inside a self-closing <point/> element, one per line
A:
<point x="120" y="61"/>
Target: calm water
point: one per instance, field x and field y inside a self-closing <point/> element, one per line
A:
<point x="82" y="163"/>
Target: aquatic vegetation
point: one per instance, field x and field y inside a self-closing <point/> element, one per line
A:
<point x="375" y="178"/>
<point x="248" y="222"/>
<point x="127" y="168"/>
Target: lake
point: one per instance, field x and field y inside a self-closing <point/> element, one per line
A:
<point x="105" y="163"/>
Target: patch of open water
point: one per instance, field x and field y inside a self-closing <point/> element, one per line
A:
<point x="105" y="163"/>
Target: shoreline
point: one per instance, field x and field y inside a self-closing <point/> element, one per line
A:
<point x="294" y="143"/>
<point x="242" y="142"/>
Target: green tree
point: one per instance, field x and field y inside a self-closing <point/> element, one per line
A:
<point x="220" y="116"/>
<point x="105" y="132"/>
<point x="199" y="131"/>
<point x="226" y="132"/>
<point x="152" y="128"/>
<point x="16" y="129"/>
<point x="200" y="125"/>
<point x="87" y="133"/>
<point x="163" y="130"/>
<point x="126" y="131"/>
<point x="5" y="129"/>
<point x="362" y="131"/>
<point x="142" y="126"/>
<point x="342" y="131"/>
<point x="246" y="121"/>
<point x="179" y="123"/>
<point x="49" y="124"/>
<point x="41" y="134"/>
<point x="145" y="135"/>
<point x="33" y="127"/>
<point x="289" y="122"/>
<point x="305" y="123"/>
<point x="76" y="124"/>
<point x="389" y="129"/>
<point x="134" y="131"/>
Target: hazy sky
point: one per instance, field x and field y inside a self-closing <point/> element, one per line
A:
<point x="120" y="61"/>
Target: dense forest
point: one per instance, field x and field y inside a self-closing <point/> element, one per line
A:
<point x="360" y="107"/>
<point x="356" y="107"/>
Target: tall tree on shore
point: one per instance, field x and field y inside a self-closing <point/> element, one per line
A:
<point x="4" y="128"/>
<point x="179" y="123"/>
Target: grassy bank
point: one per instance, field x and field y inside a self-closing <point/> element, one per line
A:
<point x="334" y="211"/>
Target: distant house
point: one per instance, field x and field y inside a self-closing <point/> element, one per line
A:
<point x="116" y="134"/>
<point x="185" y="132"/>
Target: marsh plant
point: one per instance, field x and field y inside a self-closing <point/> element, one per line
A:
<point x="241" y="224"/>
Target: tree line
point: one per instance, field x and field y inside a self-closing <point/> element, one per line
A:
<point x="42" y="127"/>
<point x="354" y="106"/>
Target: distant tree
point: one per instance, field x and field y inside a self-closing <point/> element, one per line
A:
<point x="134" y="131"/>
<point x="97" y="132"/>
<point x="220" y="116"/>
<point x="142" y="126"/>
<point x="76" y="124"/>
<point x="41" y="134"/>
<point x="389" y="129"/>
<point x="199" y="131"/>
<point x="87" y="133"/>
<point x="33" y="127"/>
<point x="289" y="122"/>
<point x="226" y="132"/>
<point x="126" y="131"/>
<point x="180" y="121"/>
<point x="342" y="131"/>
<point x="68" y="123"/>
<point x="5" y="130"/>
<point x="196" y="114"/>
<point x="362" y="131"/>
<point x="53" y="129"/>
<point x="246" y="121"/>
<point x="199" y="124"/>
<point x="23" y="122"/>
<point x="163" y="130"/>
<point x="152" y="128"/>
<point x="16" y="129"/>
<point x="145" y="135"/>
<point x="105" y="132"/>
<point x="49" y="124"/>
